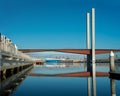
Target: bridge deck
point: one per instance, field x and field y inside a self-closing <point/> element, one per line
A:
<point x="77" y="51"/>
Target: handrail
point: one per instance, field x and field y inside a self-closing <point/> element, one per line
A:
<point x="8" y="46"/>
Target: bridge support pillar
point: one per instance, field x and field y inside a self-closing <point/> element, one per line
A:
<point x="88" y="55"/>
<point x="112" y="62"/>
<point x="93" y="54"/>
<point x="88" y="40"/>
<point x="89" y="63"/>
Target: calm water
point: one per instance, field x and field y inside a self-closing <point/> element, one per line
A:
<point x="64" y="86"/>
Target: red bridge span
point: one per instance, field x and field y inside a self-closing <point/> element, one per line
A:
<point x="76" y="51"/>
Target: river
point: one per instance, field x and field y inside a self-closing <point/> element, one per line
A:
<point x="65" y="86"/>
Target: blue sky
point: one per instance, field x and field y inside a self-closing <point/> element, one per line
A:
<point x="59" y="23"/>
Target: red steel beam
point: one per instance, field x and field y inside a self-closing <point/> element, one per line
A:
<point x="76" y="51"/>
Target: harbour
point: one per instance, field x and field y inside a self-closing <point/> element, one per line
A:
<point x="59" y="48"/>
<point x="50" y="85"/>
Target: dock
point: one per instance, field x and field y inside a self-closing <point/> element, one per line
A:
<point x="115" y="75"/>
<point x="13" y="63"/>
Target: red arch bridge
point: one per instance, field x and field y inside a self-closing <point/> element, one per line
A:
<point x="76" y="51"/>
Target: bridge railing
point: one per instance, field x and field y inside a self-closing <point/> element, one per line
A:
<point x="8" y="47"/>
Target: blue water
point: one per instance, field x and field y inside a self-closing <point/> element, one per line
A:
<point x="57" y="70"/>
<point x="63" y="86"/>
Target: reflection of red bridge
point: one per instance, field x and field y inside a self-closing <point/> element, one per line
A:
<point x="75" y="74"/>
<point x="76" y="51"/>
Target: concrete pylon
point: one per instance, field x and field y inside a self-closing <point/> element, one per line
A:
<point x="93" y="54"/>
<point x="88" y="55"/>
<point x="112" y="62"/>
<point x="88" y="42"/>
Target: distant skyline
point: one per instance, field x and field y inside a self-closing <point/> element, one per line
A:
<point x="60" y="55"/>
<point x="59" y="23"/>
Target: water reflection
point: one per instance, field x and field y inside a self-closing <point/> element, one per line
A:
<point x="65" y="86"/>
<point x="88" y="86"/>
<point x="113" y="87"/>
<point x="53" y="68"/>
<point x="57" y="69"/>
<point x="117" y="67"/>
<point x="9" y="84"/>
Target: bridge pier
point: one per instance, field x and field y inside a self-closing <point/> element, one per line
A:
<point x="89" y="66"/>
<point x="88" y="55"/>
<point x="112" y="62"/>
<point x="113" y="73"/>
<point x="88" y="42"/>
<point x="93" y="54"/>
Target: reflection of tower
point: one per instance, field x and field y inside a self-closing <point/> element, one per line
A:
<point x="113" y="88"/>
<point x="88" y="86"/>
<point x="88" y="55"/>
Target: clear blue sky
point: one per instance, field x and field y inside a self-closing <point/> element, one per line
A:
<point x="59" y="23"/>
